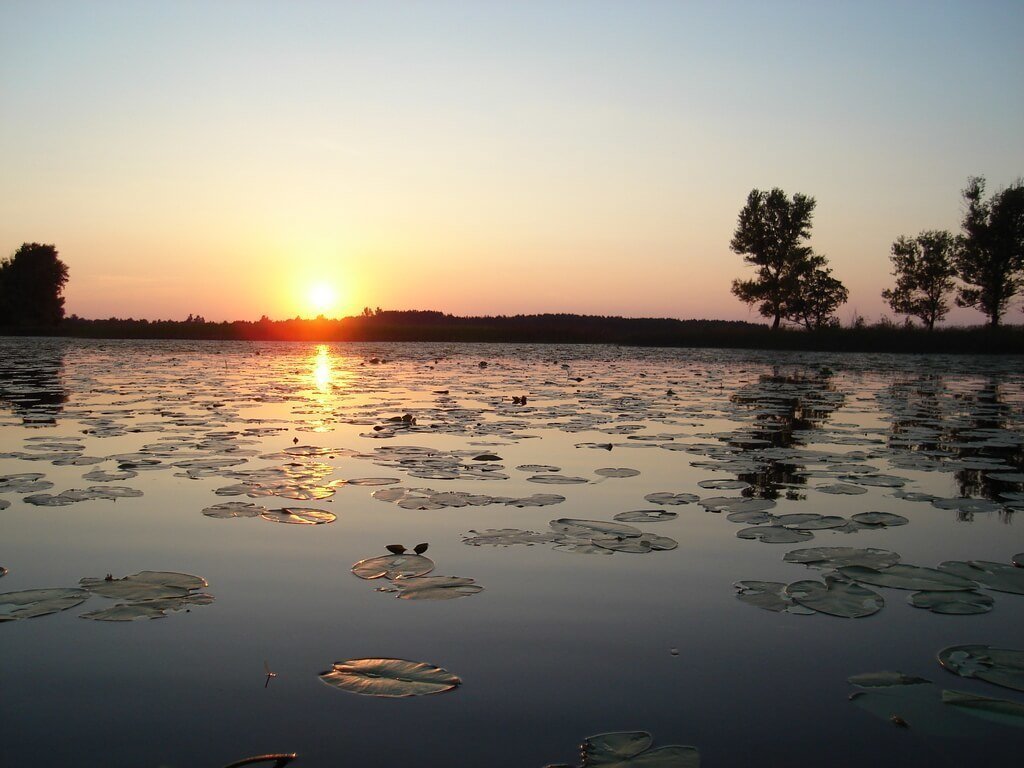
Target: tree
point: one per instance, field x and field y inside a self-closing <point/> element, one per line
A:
<point x="818" y="295"/>
<point x="770" y="235"/>
<point x="31" y="286"/>
<point x="990" y="260"/>
<point x="924" y="268"/>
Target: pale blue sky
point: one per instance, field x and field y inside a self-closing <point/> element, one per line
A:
<point x="487" y="157"/>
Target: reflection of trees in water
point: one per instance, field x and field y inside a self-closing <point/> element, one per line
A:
<point x="973" y="432"/>
<point x="786" y="409"/>
<point x="31" y="381"/>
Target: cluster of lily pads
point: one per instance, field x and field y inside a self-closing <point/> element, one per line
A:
<point x="290" y="515"/>
<point x="952" y="588"/>
<point x="919" y="704"/>
<point x="428" y="498"/>
<point x="147" y="594"/>
<point x="588" y="537"/>
<point x="406" y="575"/>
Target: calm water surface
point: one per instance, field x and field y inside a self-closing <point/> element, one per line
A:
<point x="560" y="644"/>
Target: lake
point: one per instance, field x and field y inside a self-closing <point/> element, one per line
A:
<point x="123" y="457"/>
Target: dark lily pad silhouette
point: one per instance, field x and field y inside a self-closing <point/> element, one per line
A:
<point x="770" y="595"/>
<point x="148" y="609"/>
<point x="230" y="509"/>
<point x="953" y="603"/>
<point x="392" y="678"/>
<point x="645" y="516"/>
<point x="999" y="666"/>
<point x="633" y="749"/>
<point x="834" y="557"/>
<point x="879" y="519"/>
<point x="145" y="585"/>
<point x="774" y="534"/>
<point x="997" y="576"/>
<point x="29" y="603"/>
<point x="432" y="587"/>
<point x="902" y="576"/>
<point x="617" y="472"/>
<point x="836" y="598"/>
<point x="671" y="499"/>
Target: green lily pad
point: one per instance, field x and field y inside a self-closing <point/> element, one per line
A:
<point x="432" y="587"/>
<point x="836" y="598"/>
<point x="29" y="603"/>
<point x="834" y="557"/>
<point x="999" y="666"/>
<point x="632" y="749"/>
<point x="953" y="603"/>
<point x="770" y="595"/>
<point x="393" y="566"/>
<point x="997" y="576"/>
<point x="879" y="519"/>
<point x="298" y="516"/>
<point x="145" y="585"/>
<point x="901" y="576"/>
<point x="645" y="516"/>
<point x="392" y="678"/>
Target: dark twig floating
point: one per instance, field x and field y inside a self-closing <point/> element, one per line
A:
<point x="280" y="760"/>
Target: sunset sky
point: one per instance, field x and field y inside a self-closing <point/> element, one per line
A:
<point x="225" y="158"/>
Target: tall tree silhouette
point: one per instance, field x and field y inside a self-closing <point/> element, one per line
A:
<point x="991" y="257"/>
<point x="31" y="286"/>
<point x="792" y="282"/>
<point x="924" y="269"/>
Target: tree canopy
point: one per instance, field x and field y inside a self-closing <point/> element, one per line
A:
<point x="31" y="286"/>
<point x="924" y="269"/>
<point x="791" y="282"/>
<point x="990" y="261"/>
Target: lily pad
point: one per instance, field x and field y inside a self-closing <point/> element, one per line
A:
<point x="230" y="509"/>
<point x="999" y="666"/>
<point x="432" y="587"/>
<point x="883" y="679"/>
<point x="298" y="516"/>
<point x="671" y="499"/>
<point x="953" y="603"/>
<point x="617" y="472"/>
<point x="393" y="566"/>
<point x="633" y="748"/>
<point x="879" y="519"/>
<point x="997" y="576"/>
<point x="995" y="710"/>
<point x="29" y="603"/>
<point x="645" y="516"/>
<point x="770" y="595"/>
<point x="901" y="576"/>
<point x="774" y="534"/>
<point x="392" y="678"/>
<point x="836" y="598"/>
<point x="841" y="489"/>
<point x="834" y="557"/>
<point x="147" y="609"/>
<point x="145" y="585"/>
<point x="576" y="527"/>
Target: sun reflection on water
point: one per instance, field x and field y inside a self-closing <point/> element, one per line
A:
<point x="322" y="368"/>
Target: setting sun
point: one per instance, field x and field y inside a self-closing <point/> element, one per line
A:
<point x="322" y="298"/>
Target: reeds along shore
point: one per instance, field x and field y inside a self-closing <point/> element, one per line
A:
<point x="411" y="326"/>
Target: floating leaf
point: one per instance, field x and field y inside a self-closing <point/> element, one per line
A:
<point x="505" y="537"/>
<point x="999" y="666"/>
<point x="645" y="516"/>
<point x="576" y="527"/>
<point x="433" y="587"/>
<point x="29" y="603"/>
<point x="995" y="710"/>
<point x="882" y="679"/>
<point x="633" y="748"/>
<point x="997" y="576"/>
<point x="617" y="472"/>
<point x="879" y="519"/>
<point x="841" y="489"/>
<point x="834" y="557"/>
<point x="230" y="509"/>
<point x="393" y="566"/>
<point x="901" y="576"/>
<point x="148" y="609"/>
<point x="770" y="595"/>
<point x="556" y="480"/>
<point x="389" y="677"/>
<point x="671" y="499"/>
<point x="145" y="585"/>
<point x="298" y="516"/>
<point x="836" y="598"/>
<point x="774" y="534"/>
<point x="724" y="485"/>
<point x="953" y="603"/>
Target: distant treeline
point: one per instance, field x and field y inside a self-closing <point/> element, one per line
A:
<point x="552" y="328"/>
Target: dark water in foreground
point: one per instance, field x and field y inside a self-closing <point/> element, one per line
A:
<point x="560" y="644"/>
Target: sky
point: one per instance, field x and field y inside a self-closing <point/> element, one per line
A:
<point x="229" y="158"/>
